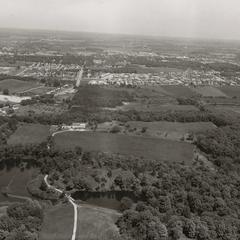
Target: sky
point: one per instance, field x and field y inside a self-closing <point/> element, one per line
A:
<point x="218" y="19"/>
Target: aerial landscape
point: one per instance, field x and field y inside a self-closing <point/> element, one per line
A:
<point x="110" y="136"/>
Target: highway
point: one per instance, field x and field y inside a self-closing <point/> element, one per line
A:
<point x="72" y="201"/>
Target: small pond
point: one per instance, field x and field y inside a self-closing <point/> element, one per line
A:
<point x="110" y="199"/>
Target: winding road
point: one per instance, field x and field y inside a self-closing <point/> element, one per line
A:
<point x="72" y="201"/>
<point x="69" y="130"/>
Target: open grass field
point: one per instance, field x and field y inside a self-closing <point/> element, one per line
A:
<point x="96" y="223"/>
<point x="170" y="130"/>
<point x="209" y="91"/>
<point x="29" y="134"/>
<point x="93" y="223"/>
<point x="148" y="148"/>
<point x="58" y="223"/>
<point x="179" y="91"/>
<point x="231" y="91"/>
<point x="15" y="86"/>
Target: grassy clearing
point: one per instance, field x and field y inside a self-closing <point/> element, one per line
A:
<point x="149" y="148"/>
<point x="209" y="91"/>
<point x="58" y="223"/>
<point x="179" y="91"/>
<point x="29" y="134"/>
<point x="15" y="86"/>
<point x="97" y="223"/>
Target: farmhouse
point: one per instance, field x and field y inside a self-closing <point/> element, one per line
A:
<point x="75" y="126"/>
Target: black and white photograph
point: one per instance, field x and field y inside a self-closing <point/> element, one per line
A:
<point x="119" y="120"/>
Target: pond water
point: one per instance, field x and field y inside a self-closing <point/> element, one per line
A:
<point x="110" y="199"/>
<point x="15" y="180"/>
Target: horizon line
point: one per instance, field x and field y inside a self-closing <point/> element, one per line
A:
<point x="195" y="38"/>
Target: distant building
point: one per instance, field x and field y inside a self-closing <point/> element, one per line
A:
<point x="79" y="125"/>
<point x="75" y="126"/>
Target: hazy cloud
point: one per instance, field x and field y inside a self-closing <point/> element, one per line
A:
<point x="190" y="18"/>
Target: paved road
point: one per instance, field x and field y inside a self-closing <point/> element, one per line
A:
<point x="72" y="201"/>
<point x="70" y="130"/>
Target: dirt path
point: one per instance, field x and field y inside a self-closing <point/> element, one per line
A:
<point x="72" y="201"/>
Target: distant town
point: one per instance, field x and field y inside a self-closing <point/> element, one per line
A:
<point x="108" y="137"/>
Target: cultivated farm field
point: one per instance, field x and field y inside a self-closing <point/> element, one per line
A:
<point x="29" y="134"/>
<point x="146" y="147"/>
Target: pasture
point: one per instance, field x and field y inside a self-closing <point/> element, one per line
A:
<point x="209" y="91"/>
<point x="16" y="86"/>
<point x="146" y="147"/>
<point x="29" y="134"/>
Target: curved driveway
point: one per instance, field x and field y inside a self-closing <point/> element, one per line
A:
<point x="72" y="201"/>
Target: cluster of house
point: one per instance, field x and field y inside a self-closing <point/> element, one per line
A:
<point x="163" y="78"/>
<point x="72" y="127"/>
